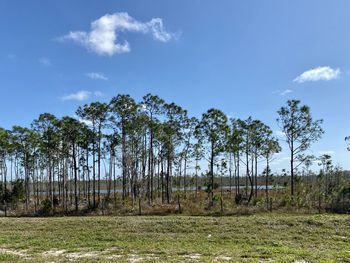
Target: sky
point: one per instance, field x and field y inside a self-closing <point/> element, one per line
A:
<point x="246" y="58"/>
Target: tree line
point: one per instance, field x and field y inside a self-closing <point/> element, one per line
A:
<point x="144" y="152"/>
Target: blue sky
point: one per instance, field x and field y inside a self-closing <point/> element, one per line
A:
<point x="243" y="57"/>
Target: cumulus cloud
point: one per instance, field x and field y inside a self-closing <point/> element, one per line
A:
<point x="82" y="120"/>
<point x="280" y="134"/>
<point x="79" y="96"/>
<point x="103" y="38"/>
<point x="85" y="121"/>
<point x="319" y="73"/>
<point x="45" y="61"/>
<point x="285" y="92"/>
<point x="82" y="95"/>
<point x="96" y="76"/>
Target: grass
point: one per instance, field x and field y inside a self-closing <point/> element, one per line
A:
<point x="254" y="238"/>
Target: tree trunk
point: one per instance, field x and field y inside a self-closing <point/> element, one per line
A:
<point x="124" y="160"/>
<point x="292" y="171"/>
<point x="212" y="174"/>
<point x="267" y="182"/>
<point x="75" y="178"/>
<point x="99" y="166"/>
<point x="94" y="174"/>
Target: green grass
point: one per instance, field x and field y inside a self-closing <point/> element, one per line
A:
<point x="256" y="238"/>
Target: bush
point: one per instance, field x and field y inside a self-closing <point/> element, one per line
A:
<point x="46" y="208"/>
<point x="288" y="201"/>
<point x="18" y="191"/>
<point x="210" y="187"/>
<point x="14" y="196"/>
<point x="5" y="194"/>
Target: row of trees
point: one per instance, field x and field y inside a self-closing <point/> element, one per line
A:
<point x="140" y="148"/>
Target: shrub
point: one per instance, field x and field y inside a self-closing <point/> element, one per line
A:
<point x="46" y="208"/>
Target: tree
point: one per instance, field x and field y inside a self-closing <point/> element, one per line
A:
<point x="247" y="132"/>
<point x="325" y="160"/>
<point x="188" y="129"/>
<point x="25" y="143"/>
<point x="46" y="126"/>
<point x="152" y="106"/>
<point x="111" y="144"/>
<point x="136" y="156"/>
<point x="300" y="131"/>
<point x="347" y="139"/>
<point x="123" y="109"/>
<point x="97" y="114"/>
<point x="260" y="134"/>
<point x="87" y="139"/>
<point x="234" y="147"/>
<point x="270" y="146"/>
<point x="172" y="137"/>
<point x="197" y="153"/>
<point x="154" y="146"/>
<point x="71" y="132"/>
<point x="213" y="130"/>
<point x="4" y="152"/>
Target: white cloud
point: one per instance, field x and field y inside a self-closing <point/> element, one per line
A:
<point x="45" y="61"/>
<point x="79" y="96"/>
<point x="96" y="76"/>
<point x="143" y="107"/>
<point x="82" y="95"/>
<point x="280" y="134"/>
<point x="104" y="34"/>
<point x="82" y="120"/>
<point x="285" y="92"/>
<point x="319" y="73"/>
<point x="87" y="122"/>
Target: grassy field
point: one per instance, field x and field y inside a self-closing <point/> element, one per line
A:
<point x="255" y="238"/>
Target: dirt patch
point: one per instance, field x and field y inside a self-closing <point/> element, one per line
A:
<point x="194" y="257"/>
<point x="20" y="253"/>
<point x="111" y="254"/>
<point x="73" y="255"/>
<point x="54" y="253"/>
<point x="137" y="258"/>
<point x="82" y="255"/>
<point x="222" y="258"/>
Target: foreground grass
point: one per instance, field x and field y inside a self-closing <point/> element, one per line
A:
<point x="257" y="238"/>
